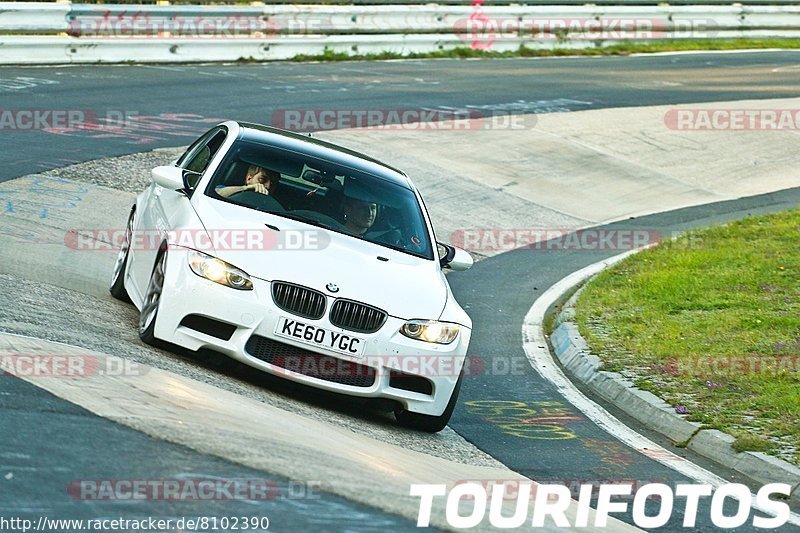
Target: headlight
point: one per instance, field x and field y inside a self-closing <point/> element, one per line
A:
<point x="219" y="271"/>
<point x="430" y="331"/>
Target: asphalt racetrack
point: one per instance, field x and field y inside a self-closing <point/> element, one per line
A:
<point x="163" y="106"/>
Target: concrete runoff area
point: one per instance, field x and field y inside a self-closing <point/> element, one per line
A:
<point x="588" y="163"/>
<point x="44" y="223"/>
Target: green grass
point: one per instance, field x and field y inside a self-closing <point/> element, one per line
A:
<point x="632" y="47"/>
<point x="753" y="443"/>
<point x="711" y="321"/>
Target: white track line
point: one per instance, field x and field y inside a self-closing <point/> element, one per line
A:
<point x="535" y="345"/>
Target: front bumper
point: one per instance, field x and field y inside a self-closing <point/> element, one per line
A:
<point x="389" y="366"/>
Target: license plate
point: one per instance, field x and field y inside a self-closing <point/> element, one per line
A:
<point x="319" y="337"/>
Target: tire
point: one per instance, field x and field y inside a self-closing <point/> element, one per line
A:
<point x="429" y="423"/>
<point x="117" y="287"/>
<point x="152" y="300"/>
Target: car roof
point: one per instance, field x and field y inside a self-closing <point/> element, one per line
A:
<point x="305" y="144"/>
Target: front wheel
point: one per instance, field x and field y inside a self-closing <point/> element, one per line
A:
<point x="430" y="423"/>
<point x="152" y="299"/>
<point x="117" y="288"/>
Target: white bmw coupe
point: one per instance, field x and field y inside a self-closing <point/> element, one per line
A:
<point x="302" y="259"/>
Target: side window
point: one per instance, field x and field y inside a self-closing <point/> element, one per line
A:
<point x="194" y="147"/>
<point x="200" y="154"/>
<point x="199" y="161"/>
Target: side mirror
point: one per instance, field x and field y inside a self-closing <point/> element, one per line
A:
<point x="454" y="258"/>
<point x="168" y="177"/>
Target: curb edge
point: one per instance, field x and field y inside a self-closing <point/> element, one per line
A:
<point x="572" y="351"/>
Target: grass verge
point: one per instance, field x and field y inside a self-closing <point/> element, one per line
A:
<point x="523" y="51"/>
<point x="710" y="322"/>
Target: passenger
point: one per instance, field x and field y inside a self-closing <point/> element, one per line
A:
<point x="359" y="215"/>
<point x="258" y="179"/>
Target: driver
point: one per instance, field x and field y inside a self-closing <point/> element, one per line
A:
<point x="258" y="179"/>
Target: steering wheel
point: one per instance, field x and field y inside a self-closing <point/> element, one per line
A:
<point x="257" y="200"/>
<point x="392" y="237"/>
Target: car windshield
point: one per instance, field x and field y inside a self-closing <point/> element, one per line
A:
<point x="324" y="194"/>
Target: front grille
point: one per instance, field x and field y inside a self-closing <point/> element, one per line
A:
<point x="298" y="300"/>
<point x="310" y="364"/>
<point x="355" y="316"/>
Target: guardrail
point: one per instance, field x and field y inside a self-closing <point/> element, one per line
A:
<point x="32" y="32"/>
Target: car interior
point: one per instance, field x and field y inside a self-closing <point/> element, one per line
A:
<point x="310" y="190"/>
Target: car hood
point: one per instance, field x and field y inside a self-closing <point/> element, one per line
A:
<point x="403" y="285"/>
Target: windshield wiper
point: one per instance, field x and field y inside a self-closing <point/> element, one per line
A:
<point x="309" y="220"/>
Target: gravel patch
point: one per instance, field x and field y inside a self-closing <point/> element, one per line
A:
<point x="129" y="173"/>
